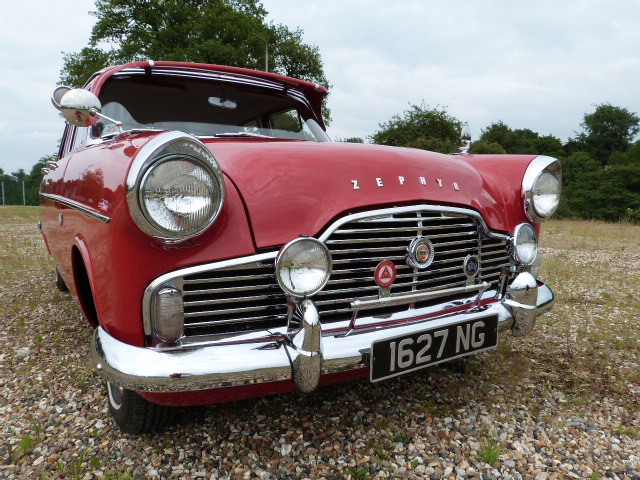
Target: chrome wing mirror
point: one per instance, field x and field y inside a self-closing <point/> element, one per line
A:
<point x="80" y="107"/>
<point x="465" y="139"/>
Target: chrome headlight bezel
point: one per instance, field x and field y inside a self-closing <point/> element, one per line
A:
<point x="537" y="172"/>
<point x="284" y="256"/>
<point x="523" y="237"/>
<point x="167" y="147"/>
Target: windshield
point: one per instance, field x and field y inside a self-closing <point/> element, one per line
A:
<point x="205" y="108"/>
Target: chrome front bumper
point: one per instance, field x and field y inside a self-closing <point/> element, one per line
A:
<point x="302" y="358"/>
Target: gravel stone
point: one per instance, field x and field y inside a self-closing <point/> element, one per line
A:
<point x="531" y="400"/>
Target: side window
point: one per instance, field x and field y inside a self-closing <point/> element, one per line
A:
<point x="68" y="140"/>
<point x="74" y="138"/>
<point x="288" y="121"/>
<point x="80" y="139"/>
<point x="289" y="124"/>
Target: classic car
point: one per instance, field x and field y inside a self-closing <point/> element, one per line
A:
<point x="222" y="247"/>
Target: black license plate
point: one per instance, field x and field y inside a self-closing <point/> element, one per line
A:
<point x="395" y="356"/>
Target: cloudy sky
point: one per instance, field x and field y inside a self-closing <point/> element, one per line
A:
<point x="533" y="64"/>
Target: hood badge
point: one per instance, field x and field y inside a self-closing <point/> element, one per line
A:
<point x="471" y="267"/>
<point x="380" y="182"/>
<point x="420" y="253"/>
<point x="385" y="274"/>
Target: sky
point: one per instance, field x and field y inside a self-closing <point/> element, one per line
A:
<point x="537" y="64"/>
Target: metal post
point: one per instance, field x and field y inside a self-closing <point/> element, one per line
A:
<point x="24" y="194"/>
<point x="266" y="54"/>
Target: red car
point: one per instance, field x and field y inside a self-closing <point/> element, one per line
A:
<point x="223" y="247"/>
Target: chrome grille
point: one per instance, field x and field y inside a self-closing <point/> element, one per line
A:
<point x="246" y="297"/>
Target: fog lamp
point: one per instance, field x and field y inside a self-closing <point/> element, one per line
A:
<point x="168" y="314"/>
<point x="525" y="244"/>
<point x="303" y="267"/>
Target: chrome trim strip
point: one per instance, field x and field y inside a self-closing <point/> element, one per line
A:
<point x="241" y="364"/>
<point x="76" y="206"/>
<point x="415" y="297"/>
<point x="413" y="208"/>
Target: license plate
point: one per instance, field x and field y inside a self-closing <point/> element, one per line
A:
<point x="395" y="356"/>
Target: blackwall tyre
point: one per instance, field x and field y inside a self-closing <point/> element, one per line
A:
<point x="60" y="282"/>
<point x="133" y="414"/>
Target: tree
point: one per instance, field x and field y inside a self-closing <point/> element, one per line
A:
<point x="13" y="183"/>
<point x="484" y="147"/>
<point x="227" y="32"/>
<point x="610" y="192"/>
<point x="609" y="129"/>
<point x="521" y="140"/>
<point x="421" y="127"/>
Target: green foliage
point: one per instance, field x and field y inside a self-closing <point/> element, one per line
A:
<point x="350" y="140"/>
<point x="79" y="66"/>
<point x="490" y="451"/>
<point x="227" y="32"/>
<point x="485" y="147"/>
<point x="400" y="437"/>
<point x="357" y="473"/>
<point x="521" y="140"/>
<point x="609" y="192"/>
<point x="607" y="130"/>
<point x="421" y="127"/>
<point x="13" y="183"/>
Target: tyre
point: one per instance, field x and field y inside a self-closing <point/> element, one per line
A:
<point x="134" y="414"/>
<point x="60" y="282"/>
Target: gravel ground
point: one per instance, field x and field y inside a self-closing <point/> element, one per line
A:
<point x="561" y="403"/>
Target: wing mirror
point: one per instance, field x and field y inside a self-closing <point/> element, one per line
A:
<point x="465" y="139"/>
<point x="79" y="107"/>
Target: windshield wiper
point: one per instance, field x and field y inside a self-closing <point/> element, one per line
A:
<point x="241" y="134"/>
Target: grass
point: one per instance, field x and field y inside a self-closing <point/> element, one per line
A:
<point x="490" y="452"/>
<point x="357" y="474"/>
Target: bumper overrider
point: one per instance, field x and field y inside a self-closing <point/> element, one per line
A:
<point x="303" y="356"/>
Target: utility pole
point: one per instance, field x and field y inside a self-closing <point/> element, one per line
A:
<point x="266" y="54"/>
<point x="3" y="194"/>
<point x="24" y="194"/>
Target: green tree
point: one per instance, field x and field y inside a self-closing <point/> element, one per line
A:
<point x="521" y="140"/>
<point x="591" y="190"/>
<point x="607" y="130"/>
<point x="13" y="184"/>
<point x="421" y="127"/>
<point x="484" y="147"/>
<point x="227" y="32"/>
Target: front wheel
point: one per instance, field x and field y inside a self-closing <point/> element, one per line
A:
<point x="134" y="414"/>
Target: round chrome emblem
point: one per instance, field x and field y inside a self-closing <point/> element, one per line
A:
<point x="385" y="274"/>
<point x="420" y="253"/>
<point x="471" y="266"/>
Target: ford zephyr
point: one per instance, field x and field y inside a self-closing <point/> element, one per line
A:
<point x="222" y="247"/>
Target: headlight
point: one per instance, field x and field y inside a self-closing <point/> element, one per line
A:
<point x="525" y="244"/>
<point x="303" y="267"/>
<point x="175" y="187"/>
<point x="541" y="188"/>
